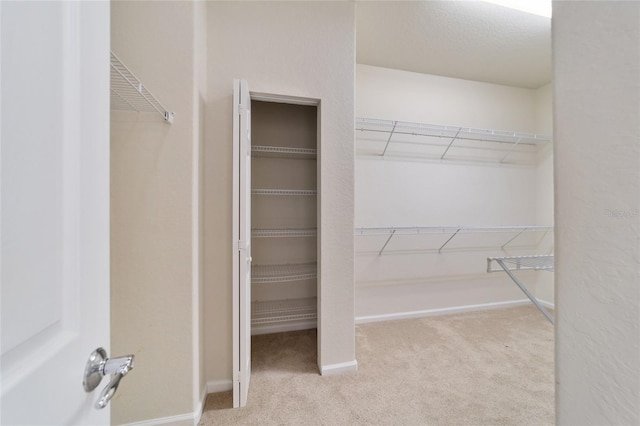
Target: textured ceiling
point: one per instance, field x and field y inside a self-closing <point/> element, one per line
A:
<point x="471" y="40"/>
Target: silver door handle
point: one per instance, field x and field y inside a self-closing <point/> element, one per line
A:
<point x="99" y="366"/>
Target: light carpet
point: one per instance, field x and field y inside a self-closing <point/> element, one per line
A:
<point x="481" y="368"/>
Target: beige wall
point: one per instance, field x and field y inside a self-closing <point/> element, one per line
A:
<point x="544" y="188"/>
<point x="597" y="211"/>
<point x="155" y="290"/>
<point x="303" y="49"/>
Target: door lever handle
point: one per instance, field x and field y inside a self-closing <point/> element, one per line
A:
<point x="99" y="366"/>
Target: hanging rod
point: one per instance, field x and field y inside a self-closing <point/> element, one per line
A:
<point x="128" y="93"/>
<point x="451" y="231"/>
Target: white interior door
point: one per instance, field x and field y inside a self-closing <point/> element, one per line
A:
<point x="54" y="168"/>
<point x="242" y="242"/>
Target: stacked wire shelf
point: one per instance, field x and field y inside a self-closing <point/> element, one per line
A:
<point x="274" y="311"/>
<point x="283" y="232"/>
<point x="284" y="192"/>
<point x="263" y="274"/>
<point x="282" y="152"/>
<point x="293" y="311"/>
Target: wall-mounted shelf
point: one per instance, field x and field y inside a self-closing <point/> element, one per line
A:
<point x="263" y="274"/>
<point x="274" y="311"/>
<point x="432" y="141"/>
<point x="506" y="235"/>
<point x="543" y="262"/>
<point x="288" y="232"/>
<point x="282" y="152"/>
<point x="284" y="192"/>
<point x="129" y="94"/>
<point x="538" y="262"/>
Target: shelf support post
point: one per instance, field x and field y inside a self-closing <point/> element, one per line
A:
<point x="451" y="143"/>
<point x="395" y="123"/>
<point x="450" y="238"/>
<point x="385" y="244"/>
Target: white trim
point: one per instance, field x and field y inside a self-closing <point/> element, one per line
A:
<point x="166" y="420"/>
<point x="546" y="304"/>
<point x="441" y="311"/>
<point x="215" y="386"/>
<point x="200" y="407"/>
<point x="280" y="328"/>
<point x="283" y="99"/>
<point x="190" y="417"/>
<point x="343" y="367"/>
<point x="196" y="284"/>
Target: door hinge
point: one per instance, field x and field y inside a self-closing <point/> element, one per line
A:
<point x="241" y="109"/>
<point x="242" y="245"/>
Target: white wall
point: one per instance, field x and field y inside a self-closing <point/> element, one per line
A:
<point x="597" y="205"/>
<point x="155" y="288"/>
<point x="397" y="192"/>
<point x="303" y="49"/>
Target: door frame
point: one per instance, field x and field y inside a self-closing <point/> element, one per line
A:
<point x="238" y="350"/>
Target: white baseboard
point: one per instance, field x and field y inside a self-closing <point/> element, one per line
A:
<point x="200" y="407"/>
<point x="182" y="419"/>
<point x="215" y="386"/>
<point x="547" y="304"/>
<point x="343" y="367"/>
<point x="441" y="311"/>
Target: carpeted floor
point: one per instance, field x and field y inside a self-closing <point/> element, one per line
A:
<point x="481" y="368"/>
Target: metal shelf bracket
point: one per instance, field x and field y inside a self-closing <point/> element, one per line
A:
<point x="395" y="123"/>
<point x="385" y="244"/>
<point x="450" y="238"/>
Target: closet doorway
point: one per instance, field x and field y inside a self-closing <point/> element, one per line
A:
<point x="275" y="221"/>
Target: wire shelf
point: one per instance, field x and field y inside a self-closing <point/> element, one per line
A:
<point x="284" y="192"/>
<point x="283" y="310"/>
<point x="536" y="262"/>
<point x="289" y="232"/>
<point x="447" y="142"/>
<point x="503" y="235"/>
<point x="282" y="152"/>
<point x="129" y="94"/>
<point x="263" y="274"/>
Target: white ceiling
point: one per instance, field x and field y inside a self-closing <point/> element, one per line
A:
<point x="472" y="40"/>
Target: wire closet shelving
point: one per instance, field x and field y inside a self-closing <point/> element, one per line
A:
<point x="264" y="274"/>
<point x="274" y="311"/>
<point x="129" y="94"/>
<point x="536" y="262"/>
<point x="283" y="232"/>
<point x="284" y="192"/>
<point x="382" y="138"/>
<point x="443" y="236"/>
<point x="283" y="152"/>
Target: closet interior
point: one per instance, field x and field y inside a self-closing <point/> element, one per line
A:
<point x="283" y="216"/>
<point x="436" y="198"/>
